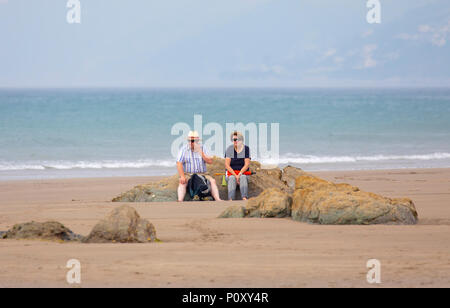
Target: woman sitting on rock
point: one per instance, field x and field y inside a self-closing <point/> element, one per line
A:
<point x="237" y="161"/>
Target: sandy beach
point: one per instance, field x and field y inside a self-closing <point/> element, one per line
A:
<point x="199" y="250"/>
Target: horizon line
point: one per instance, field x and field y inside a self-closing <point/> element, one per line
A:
<point x="219" y="87"/>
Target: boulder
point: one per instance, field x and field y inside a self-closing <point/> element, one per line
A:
<point x="313" y="199"/>
<point x="289" y="175"/>
<point x="159" y="191"/>
<point x="318" y="201"/>
<point x="308" y="181"/>
<point x="122" y="225"/>
<point x="272" y="202"/>
<point x="261" y="179"/>
<point x="50" y="231"/>
<point x="264" y="179"/>
<point x="234" y="211"/>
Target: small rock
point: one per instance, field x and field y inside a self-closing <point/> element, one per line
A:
<point x="50" y="230"/>
<point x="122" y="225"/>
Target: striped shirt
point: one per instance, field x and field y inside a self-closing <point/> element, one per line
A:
<point x="192" y="161"/>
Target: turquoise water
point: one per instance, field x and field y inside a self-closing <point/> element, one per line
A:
<point x="106" y="132"/>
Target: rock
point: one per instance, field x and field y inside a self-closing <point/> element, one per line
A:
<point x="164" y="190"/>
<point x="318" y="201"/>
<point x="272" y="202"/>
<point x="264" y="179"/>
<point x="311" y="182"/>
<point x="50" y="230"/>
<point x="122" y="225"/>
<point x="289" y="175"/>
<point x="234" y="211"/>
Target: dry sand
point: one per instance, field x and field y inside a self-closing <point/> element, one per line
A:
<point x="199" y="250"/>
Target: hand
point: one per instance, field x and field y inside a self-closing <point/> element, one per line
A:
<point x="183" y="180"/>
<point x="238" y="176"/>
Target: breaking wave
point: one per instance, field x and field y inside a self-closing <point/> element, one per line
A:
<point x="67" y="165"/>
<point x="290" y="158"/>
<point x="311" y="159"/>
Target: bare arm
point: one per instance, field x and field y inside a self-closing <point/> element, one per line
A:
<point x="246" y="165"/>
<point x="181" y="173"/>
<point x="199" y="149"/>
<point x="206" y="158"/>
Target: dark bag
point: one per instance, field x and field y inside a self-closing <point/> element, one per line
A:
<point x="199" y="186"/>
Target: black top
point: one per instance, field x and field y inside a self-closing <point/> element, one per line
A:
<point x="237" y="159"/>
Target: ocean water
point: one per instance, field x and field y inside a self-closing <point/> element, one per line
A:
<point x="56" y="133"/>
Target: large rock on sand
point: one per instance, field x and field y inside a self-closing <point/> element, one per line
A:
<point x="318" y="201"/>
<point x="314" y="200"/>
<point x="122" y="225"/>
<point x="261" y="179"/>
<point x="273" y="202"/>
<point x="50" y="231"/>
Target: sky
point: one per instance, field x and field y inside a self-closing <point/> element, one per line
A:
<point x="224" y="43"/>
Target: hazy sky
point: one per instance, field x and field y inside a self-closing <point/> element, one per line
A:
<point x="215" y="43"/>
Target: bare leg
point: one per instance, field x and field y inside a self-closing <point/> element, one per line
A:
<point x="181" y="192"/>
<point x="215" y="190"/>
<point x="243" y="186"/>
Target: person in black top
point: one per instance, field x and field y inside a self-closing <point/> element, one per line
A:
<point x="237" y="161"/>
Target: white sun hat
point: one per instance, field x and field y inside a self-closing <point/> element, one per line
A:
<point x="193" y="134"/>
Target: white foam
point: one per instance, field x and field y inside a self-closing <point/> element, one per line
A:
<point x="102" y="164"/>
<point x="290" y="158"/>
<point x="311" y="159"/>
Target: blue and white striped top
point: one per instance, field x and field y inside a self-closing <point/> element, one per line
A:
<point x="192" y="161"/>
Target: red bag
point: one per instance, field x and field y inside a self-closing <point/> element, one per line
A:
<point x="237" y="172"/>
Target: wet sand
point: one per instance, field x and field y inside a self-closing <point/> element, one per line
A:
<point x="199" y="250"/>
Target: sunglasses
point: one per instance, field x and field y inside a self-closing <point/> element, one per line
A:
<point x="235" y="139"/>
<point x="192" y="141"/>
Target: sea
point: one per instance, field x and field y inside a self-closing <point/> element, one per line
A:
<point x="77" y="133"/>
